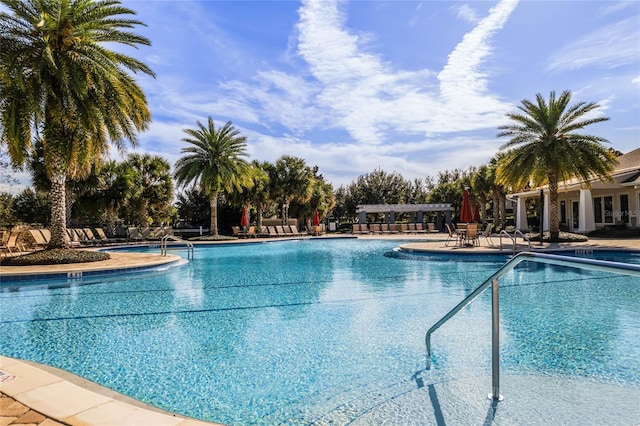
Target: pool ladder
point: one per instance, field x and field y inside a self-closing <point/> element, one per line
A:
<point x="514" y="239"/>
<point x="164" y="245"/>
<point x="493" y="281"/>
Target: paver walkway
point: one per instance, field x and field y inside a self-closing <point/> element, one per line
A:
<point x="14" y="413"/>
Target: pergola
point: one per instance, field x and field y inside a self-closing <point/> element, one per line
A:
<point x="390" y="211"/>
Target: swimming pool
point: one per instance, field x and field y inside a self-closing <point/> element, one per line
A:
<point x="332" y="332"/>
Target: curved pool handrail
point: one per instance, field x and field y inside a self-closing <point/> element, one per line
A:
<point x="166" y="238"/>
<point x="493" y="280"/>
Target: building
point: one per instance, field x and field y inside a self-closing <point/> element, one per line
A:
<point x="587" y="206"/>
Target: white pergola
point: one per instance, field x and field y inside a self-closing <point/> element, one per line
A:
<point x="403" y="208"/>
<point x="419" y="209"/>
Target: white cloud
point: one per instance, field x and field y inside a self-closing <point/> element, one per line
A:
<point x="466" y="13"/>
<point x="609" y="47"/>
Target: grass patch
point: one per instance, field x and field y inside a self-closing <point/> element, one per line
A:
<point x="213" y="238"/>
<point x="55" y="257"/>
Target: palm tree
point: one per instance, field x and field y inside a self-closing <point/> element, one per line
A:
<point x="214" y="162"/>
<point x="59" y="79"/>
<point x="290" y="180"/>
<point x="545" y="148"/>
<point x="152" y="177"/>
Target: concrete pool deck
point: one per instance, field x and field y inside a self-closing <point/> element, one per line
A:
<point x="31" y="393"/>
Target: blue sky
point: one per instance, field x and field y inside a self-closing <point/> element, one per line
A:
<point x="412" y="87"/>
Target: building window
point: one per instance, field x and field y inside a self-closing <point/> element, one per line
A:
<point x="597" y="210"/>
<point x="563" y="212"/>
<point x="608" y="209"/>
<point x="603" y="209"/>
<point x="624" y="208"/>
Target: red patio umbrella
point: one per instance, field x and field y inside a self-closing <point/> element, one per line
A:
<point x="244" y="218"/>
<point x="466" y="212"/>
<point x="316" y="218"/>
<point x="476" y="213"/>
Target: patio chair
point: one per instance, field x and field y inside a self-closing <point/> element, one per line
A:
<point x="251" y="233"/>
<point x="453" y="236"/>
<point x="471" y="235"/>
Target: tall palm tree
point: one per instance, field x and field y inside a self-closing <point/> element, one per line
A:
<point x="545" y="148"/>
<point x="59" y="78"/>
<point x="214" y="162"/>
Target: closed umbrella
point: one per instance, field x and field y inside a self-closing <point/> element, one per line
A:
<point x="316" y="218"/>
<point x="466" y="212"/>
<point x="244" y="218"/>
<point x="476" y="213"/>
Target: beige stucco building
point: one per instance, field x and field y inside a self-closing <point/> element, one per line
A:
<point x="585" y="207"/>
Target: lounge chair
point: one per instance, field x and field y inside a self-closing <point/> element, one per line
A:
<point x="271" y="231"/>
<point x="281" y="231"/>
<point x="72" y="238"/>
<point x="251" y="233"/>
<point x="487" y="234"/>
<point x="91" y="239"/>
<point x="133" y="234"/>
<point x="431" y="227"/>
<point x="294" y="230"/>
<point x="237" y="232"/>
<point x="375" y="228"/>
<point x="420" y="228"/>
<point x="360" y="228"/>
<point x="13" y="244"/>
<point x="102" y="237"/>
<point x="38" y="238"/>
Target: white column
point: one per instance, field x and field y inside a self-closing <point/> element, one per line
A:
<point x="521" y="214"/>
<point x="546" y="221"/>
<point x="585" y="212"/>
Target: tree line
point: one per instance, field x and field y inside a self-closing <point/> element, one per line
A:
<point x="66" y="96"/>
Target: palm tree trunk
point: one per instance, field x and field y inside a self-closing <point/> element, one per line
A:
<point x="554" y="217"/>
<point x="259" y="218"/>
<point x="213" y="203"/>
<point x="58" y="210"/>
<point x="496" y="208"/>
<point x="68" y="202"/>
<point x="483" y="208"/>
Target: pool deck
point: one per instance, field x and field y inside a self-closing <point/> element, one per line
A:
<point x="35" y="394"/>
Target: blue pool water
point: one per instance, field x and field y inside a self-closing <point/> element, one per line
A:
<point x="324" y="332"/>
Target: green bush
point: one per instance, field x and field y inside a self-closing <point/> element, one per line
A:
<point x="55" y="257"/>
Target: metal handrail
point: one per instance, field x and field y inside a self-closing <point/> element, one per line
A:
<point x="513" y="240"/>
<point x="524" y="237"/>
<point x="493" y="281"/>
<point x="188" y="244"/>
